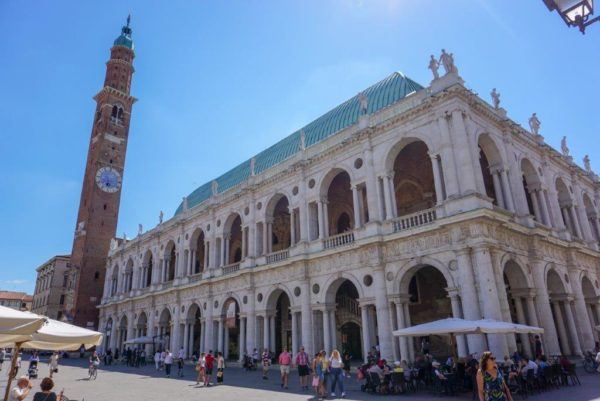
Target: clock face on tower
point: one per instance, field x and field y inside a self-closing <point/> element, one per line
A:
<point x="108" y="179"/>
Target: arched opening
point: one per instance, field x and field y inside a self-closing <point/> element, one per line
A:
<point x="517" y="289"/>
<point x="142" y="325"/>
<point x="414" y="187"/>
<point x="147" y="269"/>
<point x="122" y="333"/>
<point x="559" y="305"/>
<point x="348" y="319"/>
<point x="233" y="239"/>
<point x="428" y="301"/>
<point x="108" y="333"/>
<point x="114" y="282"/>
<point x="195" y="334"/>
<point x="490" y="162"/>
<point x="165" y="324"/>
<point x="340" y="207"/>
<point x="591" y="304"/>
<point x="592" y="217"/>
<point x="532" y="189"/>
<point x="231" y="330"/>
<point x="198" y="252"/>
<point x="283" y="324"/>
<point x="170" y="261"/>
<point x="128" y="277"/>
<point x="567" y="210"/>
<point x="279" y="216"/>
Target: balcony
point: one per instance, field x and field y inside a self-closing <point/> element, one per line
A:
<point x="338" y="240"/>
<point x="278" y="256"/>
<point x="195" y="278"/>
<point x="230" y="269"/>
<point x="414" y="220"/>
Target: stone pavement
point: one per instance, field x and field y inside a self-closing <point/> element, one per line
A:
<point x="121" y="383"/>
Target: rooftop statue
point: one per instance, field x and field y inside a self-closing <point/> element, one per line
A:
<point x="495" y="98"/>
<point x="447" y="60"/>
<point x="586" y="164"/>
<point x="363" y="102"/>
<point x="140" y="229"/>
<point x="252" y="165"/>
<point x="161" y="215"/>
<point x="215" y="187"/>
<point x="434" y="66"/>
<point x="534" y="124"/>
<point x="302" y="140"/>
<point x="563" y="146"/>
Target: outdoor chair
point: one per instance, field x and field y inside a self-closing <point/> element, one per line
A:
<point x="572" y="374"/>
<point x="531" y="382"/>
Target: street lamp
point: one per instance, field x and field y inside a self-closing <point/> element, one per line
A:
<point x="574" y="12"/>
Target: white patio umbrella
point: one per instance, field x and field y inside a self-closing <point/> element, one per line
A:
<point x="52" y="335"/>
<point x="15" y="324"/>
<point x="141" y="340"/>
<point x="455" y="326"/>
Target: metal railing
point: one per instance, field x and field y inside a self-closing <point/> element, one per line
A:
<point x="338" y="240"/>
<point x="413" y="220"/>
<point x="231" y="268"/>
<point x="278" y="256"/>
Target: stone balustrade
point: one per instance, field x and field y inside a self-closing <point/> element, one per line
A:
<point x="338" y="240"/>
<point x="413" y="220"/>
<point x="278" y="256"/>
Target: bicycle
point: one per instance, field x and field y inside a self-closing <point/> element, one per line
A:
<point x="589" y="364"/>
<point x="93" y="372"/>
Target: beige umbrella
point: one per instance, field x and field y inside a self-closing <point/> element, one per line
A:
<point x="52" y="335"/>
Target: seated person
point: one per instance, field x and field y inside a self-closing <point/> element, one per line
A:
<point x="21" y="390"/>
<point x="445" y="381"/>
<point x="47" y="394"/>
<point x="508" y="362"/>
<point x="565" y="363"/>
<point x="542" y="362"/>
<point x="527" y="365"/>
<point x="398" y="367"/>
<point x="376" y="369"/>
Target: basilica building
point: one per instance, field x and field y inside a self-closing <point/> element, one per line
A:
<point x="403" y="205"/>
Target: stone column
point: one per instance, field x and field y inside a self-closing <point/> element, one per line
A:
<point x="209" y="329"/>
<point x="468" y="295"/>
<point x="521" y="320"/>
<point x="186" y="335"/>
<point x="221" y="334"/>
<point x="544" y="206"/>
<point x="356" y="206"/>
<point x="562" y="332"/>
<point x="437" y="179"/>
<point x="292" y="227"/>
<point x="202" y="336"/>
<point x="489" y="296"/>
<point x="326" y="217"/>
<point x="225" y="349"/>
<point x="497" y="188"/>
<point x="534" y="194"/>
<point x="403" y="343"/>
<point x="506" y="190"/>
<point x="321" y="220"/>
<point x="542" y="302"/>
<point x="272" y="334"/>
<point x="590" y="315"/>
<point x="448" y="161"/>
<point x="251" y="323"/>
<point x="390" y="211"/>
<point x="266" y="331"/>
<point x="575" y="221"/>
<point x="372" y="183"/>
<point x="461" y="341"/>
<point x="364" y="314"/>
<point x="383" y="315"/>
<point x="307" y="324"/>
<point x="244" y="241"/>
<point x="227" y="244"/>
<point x="332" y="328"/>
<point x="326" y="332"/>
<point x="572" y="329"/>
<point x="581" y="315"/>
<point x="294" y="333"/>
<point x="242" y="341"/>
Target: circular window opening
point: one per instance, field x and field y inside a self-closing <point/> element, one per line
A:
<point x="297" y="291"/>
<point x="316" y="288"/>
<point x="295" y="191"/>
<point x="358" y="163"/>
<point x="311" y="183"/>
<point x="246" y="210"/>
<point x="368" y="280"/>
<point x="259" y="297"/>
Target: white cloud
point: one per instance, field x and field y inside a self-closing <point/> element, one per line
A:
<point x="14" y="282"/>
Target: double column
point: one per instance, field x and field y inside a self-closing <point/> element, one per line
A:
<point x="399" y="306"/>
<point x="389" y="195"/>
<point x="323" y="218"/>
<point x="502" y="189"/>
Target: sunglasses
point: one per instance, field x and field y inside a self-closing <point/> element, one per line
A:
<point x="493" y="358"/>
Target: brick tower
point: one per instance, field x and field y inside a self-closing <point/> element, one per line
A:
<point x="101" y="193"/>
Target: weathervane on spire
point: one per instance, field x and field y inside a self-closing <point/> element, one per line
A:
<point x="128" y="19"/>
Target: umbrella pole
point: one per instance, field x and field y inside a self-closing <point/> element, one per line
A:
<point x="12" y="373"/>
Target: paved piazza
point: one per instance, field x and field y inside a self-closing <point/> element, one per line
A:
<point x="145" y="384"/>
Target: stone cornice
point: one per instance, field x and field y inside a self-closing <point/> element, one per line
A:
<point x="115" y="92"/>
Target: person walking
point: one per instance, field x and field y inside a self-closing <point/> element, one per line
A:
<point x="490" y="383"/>
<point x="302" y="365"/>
<point x="143" y="357"/>
<point x="266" y="363"/>
<point x="168" y="362"/>
<point x="285" y="360"/>
<point x="53" y="364"/>
<point x="163" y="355"/>
<point x="325" y="365"/>
<point x="220" y="367"/>
<point x="201" y="369"/>
<point x="2" y="357"/>
<point x="336" y="373"/>
<point x="157" y="360"/>
<point x="347" y="358"/>
<point x="255" y="357"/>
<point x="180" y="358"/>
<point x="209" y="361"/>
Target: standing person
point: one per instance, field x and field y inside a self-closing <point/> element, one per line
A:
<point x="209" y="361"/>
<point x="490" y="383"/>
<point x="285" y="360"/>
<point x="255" y="357"/>
<point x="315" y="374"/>
<point x="319" y="372"/>
<point x="347" y="358"/>
<point x="21" y="390"/>
<point x="109" y="356"/>
<point x="537" y="343"/>
<point x="53" y="364"/>
<point x="220" y="367"/>
<point x="163" y="354"/>
<point x="200" y="368"/>
<point x="180" y="357"/>
<point x="157" y="360"/>
<point x="302" y="364"/>
<point x="325" y="372"/>
<point x="2" y="357"/>
<point x="337" y="373"/>
<point x="266" y="362"/>
<point x="47" y="394"/>
<point x="168" y="362"/>
<point x="143" y="357"/>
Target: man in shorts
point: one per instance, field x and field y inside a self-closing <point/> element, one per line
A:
<point x="285" y="361"/>
<point x="209" y="361"/>
<point x="266" y="362"/>
<point x="302" y="364"/>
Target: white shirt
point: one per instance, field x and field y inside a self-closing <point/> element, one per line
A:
<point x="157" y="357"/>
<point x="15" y="393"/>
<point x="336" y="362"/>
<point x="181" y="354"/>
<point x="168" y="358"/>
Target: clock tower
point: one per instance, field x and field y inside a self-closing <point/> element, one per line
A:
<point x="101" y="193"/>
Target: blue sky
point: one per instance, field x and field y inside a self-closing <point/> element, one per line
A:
<point x="219" y="81"/>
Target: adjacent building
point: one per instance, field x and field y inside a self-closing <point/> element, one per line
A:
<point x="403" y="205"/>
<point x="51" y="287"/>
<point x="16" y="300"/>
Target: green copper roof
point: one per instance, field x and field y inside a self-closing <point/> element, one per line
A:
<point x="383" y="94"/>
<point x="124" y="38"/>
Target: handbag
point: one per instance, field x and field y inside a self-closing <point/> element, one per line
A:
<point x="315" y="381"/>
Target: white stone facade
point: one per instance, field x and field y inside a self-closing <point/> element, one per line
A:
<point x="511" y="237"/>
